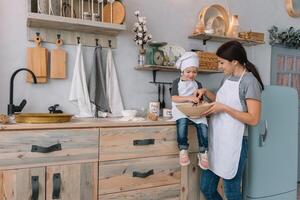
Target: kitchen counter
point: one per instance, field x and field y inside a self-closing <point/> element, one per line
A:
<point x="96" y="158"/>
<point x="85" y="123"/>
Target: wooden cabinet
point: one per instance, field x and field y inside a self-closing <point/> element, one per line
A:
<point x="143" y="163"/>
<point x="23" y="184"/>
<point x="72" y="182"/>
<point x="65" y="182"/>
<point x="130" y="163"/>
<point x="20" y="149"/>
<point x="49" y="164"/>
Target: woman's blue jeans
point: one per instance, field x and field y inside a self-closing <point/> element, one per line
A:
<point x="182" y="134"/>
<point x="232" y="187"/>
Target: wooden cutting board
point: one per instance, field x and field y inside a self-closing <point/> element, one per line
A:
<point x="58" y="62"/>
<point x="118" y="13"/>
<point x="37" y="61"/>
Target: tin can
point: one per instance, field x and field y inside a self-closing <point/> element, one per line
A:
<point x="154" y="107"/>
<point x="167" y="113"/>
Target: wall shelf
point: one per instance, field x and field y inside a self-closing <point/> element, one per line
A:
<point x="155" y="68"/>
<point x="71" y="24"/>
<point x="217" y="38"/>
<point x="168" y="69"/>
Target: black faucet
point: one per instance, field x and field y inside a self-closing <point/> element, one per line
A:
<point x="11" y="108"/>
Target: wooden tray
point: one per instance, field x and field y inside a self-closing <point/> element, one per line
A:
<point x="41" y="118"/>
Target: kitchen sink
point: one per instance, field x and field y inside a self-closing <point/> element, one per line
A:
<point x="41" y="118"/>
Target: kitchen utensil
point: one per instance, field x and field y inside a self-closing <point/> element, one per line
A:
<point x="117" y="12"/>
<point x="172" y="52"/>
<point x="193" y="111"/>
<point x="158" y="93"/>
<point x="54" y="7"/>
<point x="163" y="104"/>
<point x="42" y="6"/>
<point x="87" y="15"/>
<point x="217" y="24"/>
<point x="40" y="118"/>
<point x="155" y="56"/>
<point x="37" y="61"/>
<point x="58" y="61"/>
<point x="213" y="11"/>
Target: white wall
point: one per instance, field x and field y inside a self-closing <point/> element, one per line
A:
<point x="167" y="20"/>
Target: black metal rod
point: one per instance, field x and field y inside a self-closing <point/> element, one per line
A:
<point x="157" y="82"/>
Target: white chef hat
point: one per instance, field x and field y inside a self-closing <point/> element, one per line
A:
<point x="188" y="59"/>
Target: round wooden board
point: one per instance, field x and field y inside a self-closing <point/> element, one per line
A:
<point x="118" y="13"/>
<point x="292" y="8"/>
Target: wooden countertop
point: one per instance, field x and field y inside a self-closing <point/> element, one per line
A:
<point x="85" y="123"/>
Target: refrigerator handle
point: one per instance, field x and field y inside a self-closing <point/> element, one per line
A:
<point x="263" y="134"/>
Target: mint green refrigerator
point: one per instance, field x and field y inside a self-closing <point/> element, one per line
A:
<point x="271" y="172"/>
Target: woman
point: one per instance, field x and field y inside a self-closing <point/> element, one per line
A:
<point x="235" y="106"/>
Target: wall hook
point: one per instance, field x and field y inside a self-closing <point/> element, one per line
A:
<point x="58" y="36"/>
<point x="37" y="34"/>
<point x="78" y="40"/>
<point x="97" y="44"/>
<point x="109" y="43"/>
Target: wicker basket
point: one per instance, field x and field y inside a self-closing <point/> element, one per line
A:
<point x="208" y="61"/>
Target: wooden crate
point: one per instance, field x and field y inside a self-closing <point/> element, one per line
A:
<point x="254" y="36"/>
<point x="208" y="61"/>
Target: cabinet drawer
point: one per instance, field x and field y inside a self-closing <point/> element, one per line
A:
<point x="138" y="142"/>
<point x="134" y="174"/>
<point x="169" y="192"/>
<point x="21" y="149"/>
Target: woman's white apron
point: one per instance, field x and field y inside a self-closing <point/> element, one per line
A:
<point x="226" y="133"/>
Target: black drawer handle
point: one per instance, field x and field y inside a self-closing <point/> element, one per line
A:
<point x="143" y="175"/>
<point x="56" y="186"/>
<point x="40" y="149"/>
<point x="35" y="187"/>
<point x="143" y="142"/>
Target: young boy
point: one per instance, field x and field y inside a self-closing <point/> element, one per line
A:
<point x="184" y="89"/>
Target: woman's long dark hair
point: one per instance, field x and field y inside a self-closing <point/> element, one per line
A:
<point x="234" y="50"/>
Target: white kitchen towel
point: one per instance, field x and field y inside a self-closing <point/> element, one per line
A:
<point x="79" y="91"/>
<point x="112" y="86"/>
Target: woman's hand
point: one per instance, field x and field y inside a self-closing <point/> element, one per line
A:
<point x="216" y="107"/>
<point x="251" y="117"/>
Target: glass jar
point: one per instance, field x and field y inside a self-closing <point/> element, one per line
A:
<point x="141" y="57"/>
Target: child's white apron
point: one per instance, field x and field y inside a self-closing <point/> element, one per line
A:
<point x="186" y="88"/>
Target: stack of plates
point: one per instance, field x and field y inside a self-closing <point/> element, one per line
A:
<point x="215" y="19"/>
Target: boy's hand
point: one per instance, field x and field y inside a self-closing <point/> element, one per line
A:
<point x="201" y="92"/>
<point x="193" y="99"/>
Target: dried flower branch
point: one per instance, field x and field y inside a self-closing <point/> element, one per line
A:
<point x="140" y="29"/>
